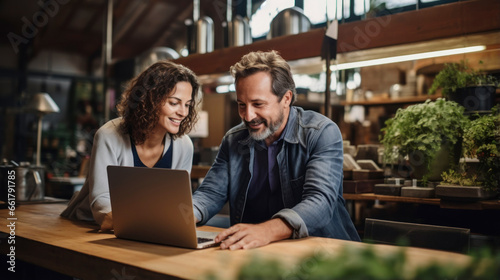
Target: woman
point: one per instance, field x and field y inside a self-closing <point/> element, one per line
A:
<point x="158" y="108"/>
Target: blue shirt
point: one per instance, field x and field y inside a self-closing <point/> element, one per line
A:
<point x="264" y="192"/>
<point x="164" y="162"/>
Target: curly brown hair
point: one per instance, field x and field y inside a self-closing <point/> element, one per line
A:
<point x="270" y="62"/>
<point x="144" y="96"/>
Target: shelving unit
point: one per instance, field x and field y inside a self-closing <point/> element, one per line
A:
<point x="387" y="101"/>
<point x="477" y="16"/>
<point x="472" y="205"/>
<point x="394" y="34"/>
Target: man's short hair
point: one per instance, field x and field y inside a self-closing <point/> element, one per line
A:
<point x="270" y="62"/>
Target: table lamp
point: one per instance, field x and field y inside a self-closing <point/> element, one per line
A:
<point x="42" y="104"/>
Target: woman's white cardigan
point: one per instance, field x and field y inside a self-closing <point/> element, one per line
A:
<point x="112" y="147"/>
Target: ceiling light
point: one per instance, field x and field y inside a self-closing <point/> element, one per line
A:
<point x="408" y="57"/>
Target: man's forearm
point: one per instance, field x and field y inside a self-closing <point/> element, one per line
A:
<point x="278" y="229"/>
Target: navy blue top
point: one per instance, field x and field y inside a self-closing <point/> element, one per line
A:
<point x="164" y="162"/>
<point x="264" y="198"/>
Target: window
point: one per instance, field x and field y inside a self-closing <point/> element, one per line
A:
<point x="261" y="20"/>
<point x="361" y="7"/>
<point x="315" y="10"/>
<point x="394" y="4"/>
<point x="319" y="10"/>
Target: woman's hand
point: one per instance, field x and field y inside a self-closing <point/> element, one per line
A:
<point x="107" y="222"/>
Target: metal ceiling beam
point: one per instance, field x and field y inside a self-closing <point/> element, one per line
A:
<point x="107" y="48"/>
<point x="130" y="20"/>
<point x="185" y="11"/>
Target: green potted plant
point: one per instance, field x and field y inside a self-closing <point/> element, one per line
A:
<point x="350" y="262"/>
<point x="471" y="88"/>
<point x="479" y="171"/>
<point x="427" y="136"/>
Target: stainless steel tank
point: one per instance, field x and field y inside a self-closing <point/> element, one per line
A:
<point x="152" y="56"/>
<point x="204" y="35"/>
<point x="289" y="21"/>
<point x="239" y="32"/>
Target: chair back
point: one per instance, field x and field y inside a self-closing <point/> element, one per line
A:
<point x="417" y="235"/>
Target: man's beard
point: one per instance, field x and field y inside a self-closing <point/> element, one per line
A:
<point x="269" y="129"/>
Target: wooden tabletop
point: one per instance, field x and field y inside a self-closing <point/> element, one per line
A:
<point x="78" y="249"/>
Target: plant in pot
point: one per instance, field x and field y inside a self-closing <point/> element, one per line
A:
<point x="427" y="136"/>
<point x="471" y="88"/>
<point x="478" y="175"/>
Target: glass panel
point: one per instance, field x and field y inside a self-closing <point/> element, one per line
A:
<point x="315" y="10"/>
<point x="347" y="8"/>
<point x="261" y="19"/>
<point x="361" y="6"/>
<point x="392" y="4"/>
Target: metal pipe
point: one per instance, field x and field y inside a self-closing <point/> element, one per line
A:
<point x="196" y="10"/>
<point x="328" y="105"/>
<point x="107" y="48"/>
<point x="229" y="11"/>
<point x="39" y="140"/>
<point x="249" y="9"/>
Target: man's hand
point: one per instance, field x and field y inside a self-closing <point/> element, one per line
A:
<point x="247" y="236"/>
<point x="107" y="222"/>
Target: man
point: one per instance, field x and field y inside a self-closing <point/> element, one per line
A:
<point x="280" y="170"/>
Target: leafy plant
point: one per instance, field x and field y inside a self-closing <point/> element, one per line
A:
<point x="463" y="178"/>
<point x="459" y="75"/>
<point x="365" y="263"/>
<point x="482" y="141"/>
<point x="481" y="132"/>
<point x="421" y="130"/>
<point x="376" y="7"/>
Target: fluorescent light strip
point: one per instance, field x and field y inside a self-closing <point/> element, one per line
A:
<point x="407" y="57"/>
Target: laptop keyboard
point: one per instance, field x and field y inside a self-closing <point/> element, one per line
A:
<point x="203" y="240"/>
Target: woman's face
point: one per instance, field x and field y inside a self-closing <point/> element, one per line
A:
<point x="176" y="108"/>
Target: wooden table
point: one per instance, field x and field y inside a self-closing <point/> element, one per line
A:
<point x="78" y="249"/>
<point x="472" y="205"/>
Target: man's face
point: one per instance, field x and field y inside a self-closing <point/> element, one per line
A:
<point x="260" y="110"/>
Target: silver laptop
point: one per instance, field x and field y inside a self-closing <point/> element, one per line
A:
<point x="155" y="205"/>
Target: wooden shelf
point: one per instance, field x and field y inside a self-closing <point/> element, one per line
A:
<point x="474" y="205"/>
<point x="390" y="198"/>
<point x="401" y="100"/>
<point x="444" y="21"/>
<point x="385" y="101"/>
